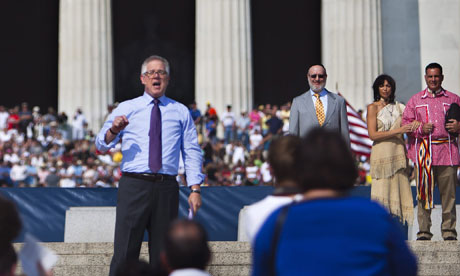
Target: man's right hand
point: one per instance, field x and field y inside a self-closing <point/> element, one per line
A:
<point x="427" y="128"/>
<point x="119" y="123"/>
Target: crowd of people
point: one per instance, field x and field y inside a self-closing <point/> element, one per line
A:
<point x="47" y="149"/>
<point x="240" y="157"/>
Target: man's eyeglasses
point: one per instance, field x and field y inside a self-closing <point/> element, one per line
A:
<point x="321" y="76"/>
<point x="152" y="73"/>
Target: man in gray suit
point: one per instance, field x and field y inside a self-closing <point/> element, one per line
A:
<point x="318" y="107"/>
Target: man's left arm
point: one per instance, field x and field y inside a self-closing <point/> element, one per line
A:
<point x="344" y="127"/>
<point x="192" y="157"/>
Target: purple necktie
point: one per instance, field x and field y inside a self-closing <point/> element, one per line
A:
<point x="155" y="137"/>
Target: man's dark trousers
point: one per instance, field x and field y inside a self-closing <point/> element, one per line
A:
<point x="142" y="205"/>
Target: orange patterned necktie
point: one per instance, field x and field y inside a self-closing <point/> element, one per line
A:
<point x="319" y="110"/>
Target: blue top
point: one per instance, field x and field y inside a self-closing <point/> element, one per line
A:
<point x="178" y="135"/>
<point x="195" y="114"/>
<point x="5" y="173"/>
<point x="340" y="236"/>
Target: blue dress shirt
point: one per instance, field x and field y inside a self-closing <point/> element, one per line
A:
<point x="178" y="135"/>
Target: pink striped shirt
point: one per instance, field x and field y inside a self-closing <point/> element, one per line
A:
<point x="426" y="108"/>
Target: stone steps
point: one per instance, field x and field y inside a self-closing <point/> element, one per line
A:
<point x="228" y="258"/>
<point x="234" y="258"/>
<point x="437" y="258"/>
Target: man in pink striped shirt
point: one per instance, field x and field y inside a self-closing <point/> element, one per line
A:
<point x="434" y="152"/>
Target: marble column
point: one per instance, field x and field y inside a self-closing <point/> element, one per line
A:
<point x="223" y="62"/>
<point x="440" y="39"/>
<point x="85" y="59"/>
<point x="351" y="48"/>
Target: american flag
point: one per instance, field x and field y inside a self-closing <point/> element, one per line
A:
<point x="360" y="142"/>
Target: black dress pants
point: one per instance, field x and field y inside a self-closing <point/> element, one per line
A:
<point x="142" y="205"/>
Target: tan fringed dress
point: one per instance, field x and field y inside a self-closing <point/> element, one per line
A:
<point x="390" y="182"/>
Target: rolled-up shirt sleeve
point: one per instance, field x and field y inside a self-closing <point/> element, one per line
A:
<point x="100" y="138"/>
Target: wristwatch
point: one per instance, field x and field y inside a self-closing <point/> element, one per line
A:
<point x="198" y="191"/>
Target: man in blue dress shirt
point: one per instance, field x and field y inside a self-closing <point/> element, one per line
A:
<point x="148" y="194"/>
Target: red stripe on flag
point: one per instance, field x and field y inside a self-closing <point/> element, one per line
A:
<point x="356" y="115"/>
<point x="359" y="143"/>
<point x="361" y="135"/>
<point x="361" y="147"/>
<point x="357" y="125"/>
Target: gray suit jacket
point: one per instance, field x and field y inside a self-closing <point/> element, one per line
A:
<point x="303" y="115"/>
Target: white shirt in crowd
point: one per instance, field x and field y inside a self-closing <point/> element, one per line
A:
<point x="238" y="155"/>
<point x="4" y="136"/>
<point x="18" y="172"/>
<point x="257" y="213"/>
<point x="265" y="172"/>
<point x="243" y="123"/>
<point x="3" y="118"/>
<point x="251" y="172"/>
<point x="79" y="121"/>
<point x="229" y="149"/>
<point x="89" y="176"/>
<point x="255" y="140"/>
<point x="11" y="157"/>
<point x="228" y="118"/>
<point x="67" y="182"/>
<point x="78" y="126"/>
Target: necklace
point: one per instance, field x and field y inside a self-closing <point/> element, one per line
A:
<point x="384" y="104"/>
<point x="392" y="109"/>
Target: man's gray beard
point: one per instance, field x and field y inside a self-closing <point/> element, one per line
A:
<point x="315" y="88"/>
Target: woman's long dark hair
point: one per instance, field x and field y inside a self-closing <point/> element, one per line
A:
<point x="380" y="80"/>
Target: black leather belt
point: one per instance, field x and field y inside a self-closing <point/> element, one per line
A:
<point x="150" y="176"/>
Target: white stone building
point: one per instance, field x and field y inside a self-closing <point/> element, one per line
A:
<point x="360" y="39"/>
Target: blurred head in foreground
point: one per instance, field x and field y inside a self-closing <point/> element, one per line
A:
<point x="327" y="162"/>
<point x="10" y="226"/>
<point x="185" y="246"/>
<point x="285" y="160"/>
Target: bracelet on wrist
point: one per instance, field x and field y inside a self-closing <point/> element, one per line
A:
<point x="113" y="132"/>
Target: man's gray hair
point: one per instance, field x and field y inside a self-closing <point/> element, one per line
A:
<point x="154" y="57"/>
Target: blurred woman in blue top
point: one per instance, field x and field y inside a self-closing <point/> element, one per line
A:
<point x="330" y="233"/>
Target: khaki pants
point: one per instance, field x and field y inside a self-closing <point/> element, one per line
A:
<point x="446" y="178"/>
